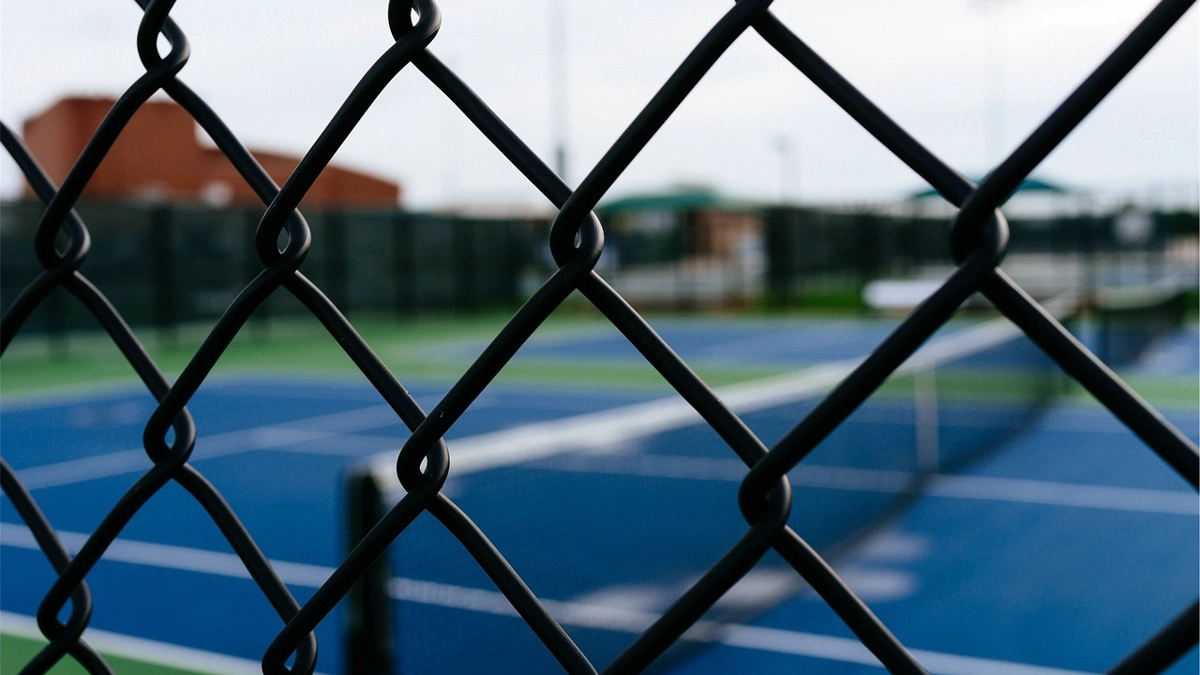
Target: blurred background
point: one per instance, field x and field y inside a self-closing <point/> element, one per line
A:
<point x="753" y="194"/>
<point x="969" y="78"/>
<point x="768" y="239"/>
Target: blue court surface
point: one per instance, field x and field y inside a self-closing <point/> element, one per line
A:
<point x="1057" y="551"/>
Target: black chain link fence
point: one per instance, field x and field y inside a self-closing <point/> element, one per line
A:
<point x="978" y="244"/>
<point x="812" y="248"/>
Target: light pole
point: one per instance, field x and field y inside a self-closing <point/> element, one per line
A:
<point x="788" y="170"/>
<point x="993" y="11"/>
<point x="558" y="84"/>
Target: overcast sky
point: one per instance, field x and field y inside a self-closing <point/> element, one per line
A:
<point x="969" y="78"/>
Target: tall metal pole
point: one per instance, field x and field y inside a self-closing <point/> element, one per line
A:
<point x="558" y="83"/>
<point x="996" y="19"/>
<point x="788" y="170"/>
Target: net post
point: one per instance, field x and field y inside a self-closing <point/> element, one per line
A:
<point x="368" y="633"/>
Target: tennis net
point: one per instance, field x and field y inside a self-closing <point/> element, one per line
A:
<point x="609" y="515"/>
<point x="1131" y="318"/>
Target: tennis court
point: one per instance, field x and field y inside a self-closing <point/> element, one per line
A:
<point x="610" y="516"/>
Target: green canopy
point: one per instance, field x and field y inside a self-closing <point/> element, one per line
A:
<point x="1027" y="185"/>
<point x="680" y="200"/>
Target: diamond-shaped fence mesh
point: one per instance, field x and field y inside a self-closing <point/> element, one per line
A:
<point x="576" y="239"/>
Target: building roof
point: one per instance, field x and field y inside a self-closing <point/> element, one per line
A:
<point x="159" y="157"/>
<point x="688" y="199"/>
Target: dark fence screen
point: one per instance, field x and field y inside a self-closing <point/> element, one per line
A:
<point x="162" y="265"/>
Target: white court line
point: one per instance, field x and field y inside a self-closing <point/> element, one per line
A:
<point x="609" y="428"/>
<point x="267" y="437"/>
<point x="487" y="601"/>
<point x="780" y="641"/>
<point x="140" y="649"/>
<point x="217" y="445"/>
<point x="1015" y="490"/>
<point x="167" y="556"/>
<point x="731" y="470"/>
<point x="1091" y="418"/>
<point x="1115" y="498"/>
<point x="528" y="442"/>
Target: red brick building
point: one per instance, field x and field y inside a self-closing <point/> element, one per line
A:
<point x="158" y="156"/>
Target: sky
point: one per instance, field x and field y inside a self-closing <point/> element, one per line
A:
<point x="968" y="78"/>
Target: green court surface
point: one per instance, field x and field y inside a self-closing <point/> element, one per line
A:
<point x="16" y="651"/>
<point x="437" y="348"/>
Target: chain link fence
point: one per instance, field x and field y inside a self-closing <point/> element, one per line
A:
<point x="283" y="239"/>
<point x="810" y="251"/>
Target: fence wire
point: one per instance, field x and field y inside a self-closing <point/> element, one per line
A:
<point x="978" y="244"/>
